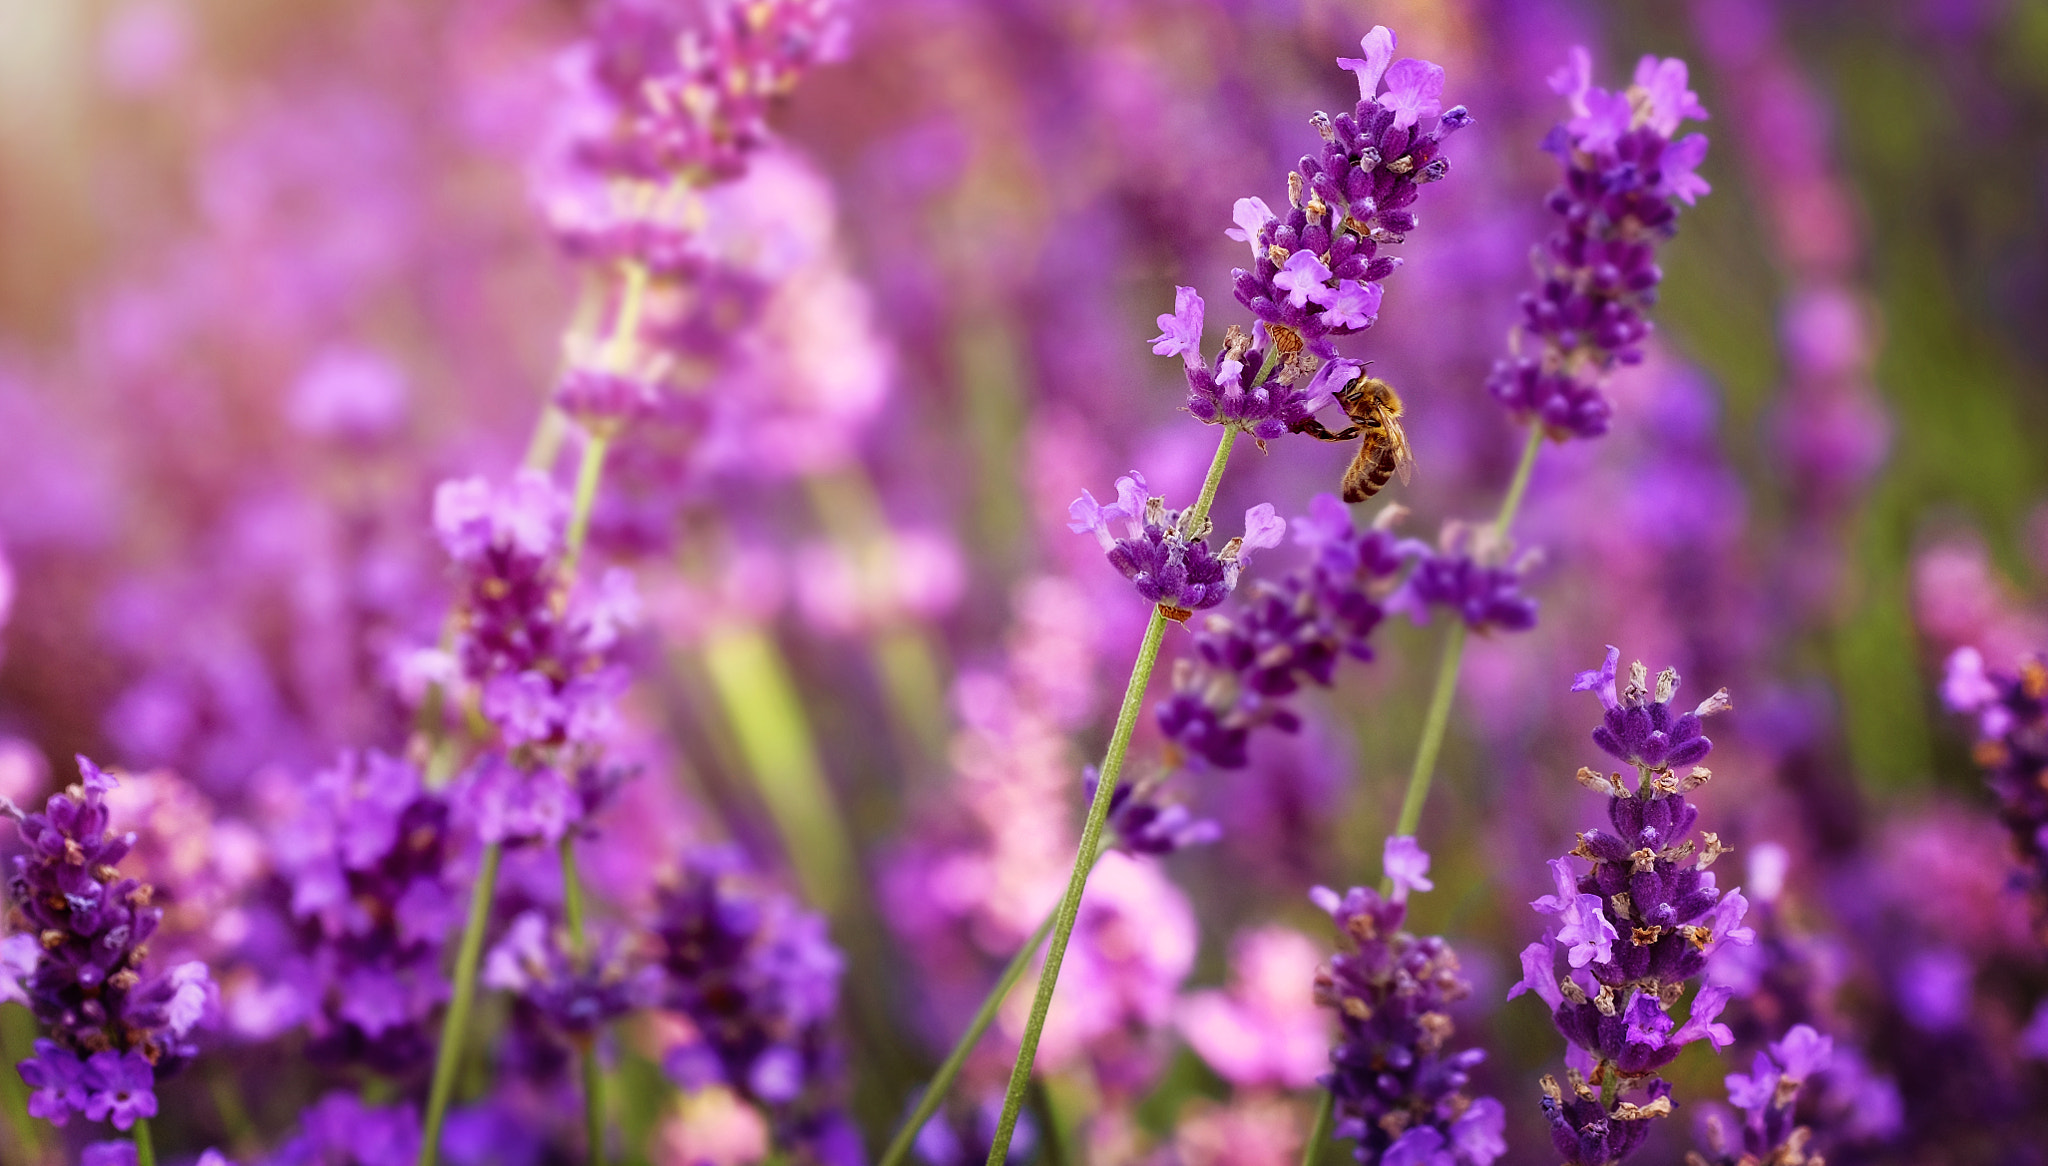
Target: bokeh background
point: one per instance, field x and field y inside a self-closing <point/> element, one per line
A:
<point x="269" y="272"/>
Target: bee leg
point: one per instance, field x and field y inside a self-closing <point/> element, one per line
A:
<point x="1316" y="429"/>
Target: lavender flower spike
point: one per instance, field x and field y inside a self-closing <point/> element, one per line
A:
<point x="1166" y="552"/>
<point x="2011" y="710"/>
<point x="1624" y="176"/>
<point x="1395" y="1088"/>
<point x="112" y="1027"/>
<point x="1768" y="1095"/>
<point x="1633" y="929"/>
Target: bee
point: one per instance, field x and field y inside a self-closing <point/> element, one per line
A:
<point x="1375" y="412"/>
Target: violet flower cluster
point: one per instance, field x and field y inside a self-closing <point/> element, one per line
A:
<point x="1470" y="575"/>
<point x="758" y="979"/>
<point x="1624" y="176"/>
<point x="367" y="860"/>
<point x="113" y="1027"/>
<point x="1636" y="927"/>
<point x="1768" y="1095"/>
<point x="1316" y="272"/>
<point x="539" y="655"/>
<point x="1165" y="553"/>
<point x="1286" y="632"/>
<point x="2011" y="711"/>
<point x="655" y="96"/>
<point x="1399" y="1091"/>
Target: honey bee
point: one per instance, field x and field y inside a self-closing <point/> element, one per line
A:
<point x="1375" y="412"/>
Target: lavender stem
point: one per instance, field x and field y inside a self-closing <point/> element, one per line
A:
<point x="1318" y="1129"/>
<point x="1437" y="720"/>
<point x="942" y="1081"/>
<point x="586" y="1053"/>
<point x="1091" y="832"/>
<point x="145" y="1150"/>
<point x="449" y="1058"/>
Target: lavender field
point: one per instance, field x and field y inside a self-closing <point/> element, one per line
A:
<point x="1079" y="582"/>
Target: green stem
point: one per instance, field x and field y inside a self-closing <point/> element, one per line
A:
<point x="1091" y="833"/>
<point x="588" y="474"/>
<point x="593" y="1078"/>
<point x="145" y="1150"/>
<point x="752" y="682"/>
<point x="1434" y="722"/>
<point x="448" y="1059"/>
<point x="942" y="1081"/>
<point x="1318" y="1129"/>
<point x="593" y="1099"/>
<point x="1437" y="720"/>
<point x="1519" y="484"/>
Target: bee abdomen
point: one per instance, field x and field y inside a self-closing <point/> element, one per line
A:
<point x="1368" y="474"/>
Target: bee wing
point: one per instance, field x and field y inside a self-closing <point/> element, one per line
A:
<point x="1404" y="456"/>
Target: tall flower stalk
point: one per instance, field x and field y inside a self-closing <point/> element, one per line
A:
<point x="1316" y="275"/>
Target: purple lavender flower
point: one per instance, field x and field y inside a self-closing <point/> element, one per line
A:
<point x="759" y="981"/>
<point x="1396" y="1089"/>
<point x="1623" y="179"/>
<point x="574" y="997"/>
<point x="540" y="655"/>
<point x="89" y="988"/>
<point x="1767" y="1096"/>
<point x="58" y="1078"/>
<point x="1166" y="552"/>
<point x="1639" y="727"/>
<point x="1317" y="272"/>
<point x="652" y="96"/>
<point x="367" y="862"/>
<point x="1296" y="628"/>
<point x="1633" y="929"/>
<point x="339" y="1128"/>
<point x="1142" y="822"/>
<point x="120" y="1087"/>
<point x="2011" y="711"/>
<point x="1468" y="577"/>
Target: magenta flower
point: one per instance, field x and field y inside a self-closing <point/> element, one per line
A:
<point x="1303" y="277"/>
<point x="1407" y="866"/>
<point x="1415" y="90"/>
<point x="1378" y="47"/>
<point x="121" y="1088"/>
<point x="1180" y="331"/>
<point x="58" y="1078"/>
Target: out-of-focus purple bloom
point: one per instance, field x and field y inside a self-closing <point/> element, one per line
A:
<point x="1639" y="726"/>
<point x="1933" y="989"/>
<point x="1143" y="823"/>
<point x="1166" y="552"/>
<point x="1266" y="1029"/>
<point x="758" y="980"/>
<point x="19" y="955"/>
<point x="1767" y="1096"/>
<point x="1297" y="628"/>
<point x="575" y="997"/>
<point x="2011" y="711"/>
<point x="1407" y="866"/>
<point x="1634" y="928"/>
<point x="1467" y="576"/>
<point x="339" y="1128"/>
<point x="1623" y="178"/>
<point x="367" y="862"/>
<point x="1397" y="1090"/>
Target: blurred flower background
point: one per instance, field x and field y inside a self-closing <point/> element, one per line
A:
<point x="416" y="473"/>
